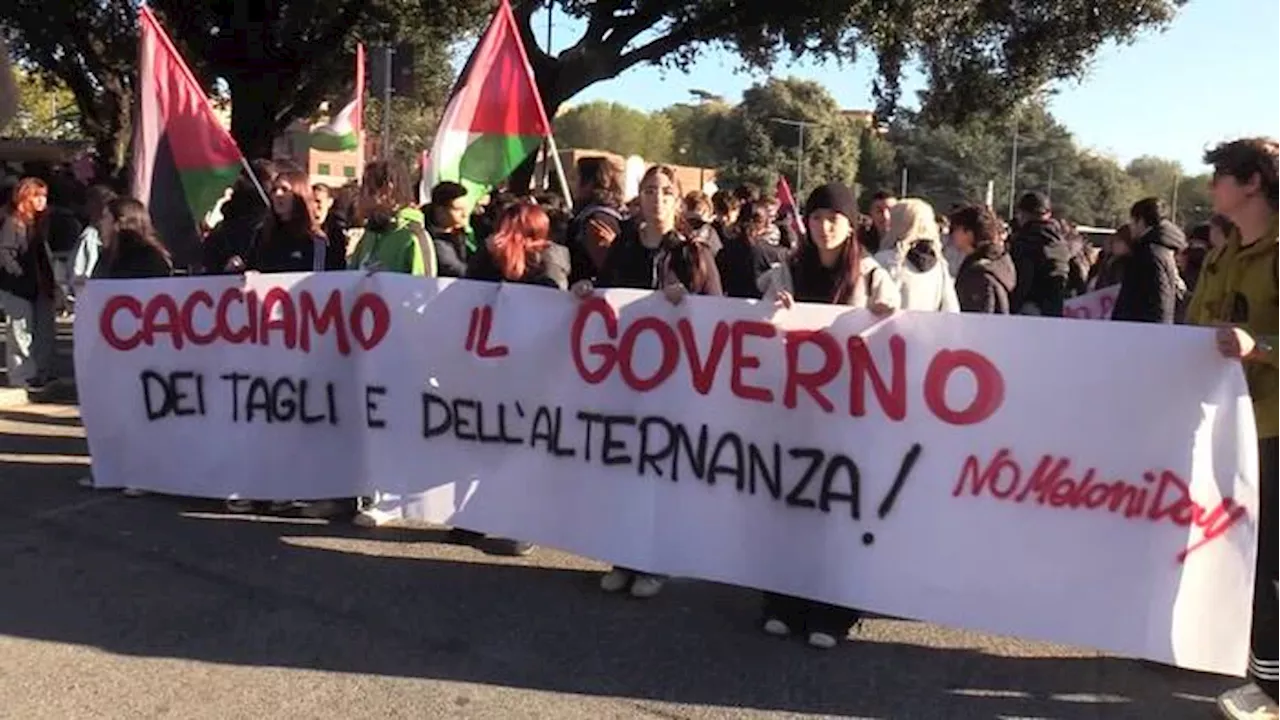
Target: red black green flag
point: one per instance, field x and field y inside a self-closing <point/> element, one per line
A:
<point x="183" y="158"/>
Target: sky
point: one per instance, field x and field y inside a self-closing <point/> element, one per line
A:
<point x="1214" y="74"/>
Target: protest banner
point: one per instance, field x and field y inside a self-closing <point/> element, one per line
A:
<point x="924" y="465"/>
<point x="1096" y="305"/>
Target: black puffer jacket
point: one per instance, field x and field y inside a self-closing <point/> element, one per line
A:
<point x="985" y="281"/>
<point x="1152" y="285"/>
<point x="1042" y="258"/>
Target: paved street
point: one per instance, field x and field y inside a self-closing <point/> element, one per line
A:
<point x="160" y="607"/>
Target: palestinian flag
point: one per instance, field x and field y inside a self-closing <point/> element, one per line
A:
<point x="183" y="159"/>
<point x="495" y="117"/>
<point x="342" y="132"/>
<point x="787" y="204"/>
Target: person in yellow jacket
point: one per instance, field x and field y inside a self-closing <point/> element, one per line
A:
<point x="1238" y="292"/>
<point x="395" y="238"/>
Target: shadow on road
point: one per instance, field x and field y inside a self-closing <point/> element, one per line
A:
<point x="147" y="578"/>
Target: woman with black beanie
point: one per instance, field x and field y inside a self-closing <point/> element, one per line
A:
<point x="830" y="267"/>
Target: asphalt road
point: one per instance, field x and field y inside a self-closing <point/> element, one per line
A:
<point x="161" y="607"/>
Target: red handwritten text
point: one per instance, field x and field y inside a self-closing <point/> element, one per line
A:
<point x="1160" y="497"/>
<point x="741" y="341"/>
<point x="240" y="317"/>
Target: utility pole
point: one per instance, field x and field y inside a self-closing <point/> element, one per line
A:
<point x="902" y="193"/>
<point x="1173" y="210"/>
<point x="801" y="125"/>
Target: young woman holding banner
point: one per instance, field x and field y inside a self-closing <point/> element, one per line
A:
<point x="832" y="268"/>
<point x="130" y="250"/>
<point x="653" y="252"/>
<point x="520" y="251"/>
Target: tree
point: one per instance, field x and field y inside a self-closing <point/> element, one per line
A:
<point x="978" y="55"/>
<point x="697" y="129"/>
<point x="1156" y="176"/>
<point x="280" y="59"/>
<point x="91" y="47"/>
<point x="1195" y="201"/>
<point x="45" y="109"/>
<point x="414" y="118"/>
<point x="756" y="146"/>
<point x="616" y="128"/>
<point x="949" y="165"/>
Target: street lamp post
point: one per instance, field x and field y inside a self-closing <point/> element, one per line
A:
<point x="800" y="125"/>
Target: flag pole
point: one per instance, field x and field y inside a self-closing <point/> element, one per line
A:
<point x="262" y="193"/>
<point x="564" y="182"/>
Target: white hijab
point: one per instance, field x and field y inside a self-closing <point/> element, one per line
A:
<point x="912" y="220"/>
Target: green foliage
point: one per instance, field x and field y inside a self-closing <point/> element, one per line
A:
<point x="977" y="55"/>
<point x="279" y="59"/>
<point x="617" y="129"/>
<point x="90" y="46"/>
<point x="414" y="119"/>
<point x="45" y="109"/>
<point x="754" y="146"/>
<point x="697" y="130"/>
<point x="951" y="165"/>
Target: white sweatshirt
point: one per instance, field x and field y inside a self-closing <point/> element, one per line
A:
<point x="933" y="290"/>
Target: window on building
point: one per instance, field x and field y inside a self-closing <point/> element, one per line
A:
<point x="322" y="169"/>
<point x="348" y="171"/>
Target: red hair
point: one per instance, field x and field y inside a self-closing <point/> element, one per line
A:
<point x="524" y="232"/>
<point x="24" y="195"/>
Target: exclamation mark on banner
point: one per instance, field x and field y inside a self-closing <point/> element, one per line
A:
<point x="886" y="505"/>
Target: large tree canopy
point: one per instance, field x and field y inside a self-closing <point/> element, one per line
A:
<point x="280" y="58"/>
<point x="616" y="128"/>
<point x="762" y="137"/>
<point x="978" y="55"/>
<point x="91" y="47"/>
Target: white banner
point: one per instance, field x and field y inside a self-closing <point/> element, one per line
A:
<point x="926" y="465"/>
<point x="1096" y="305"/>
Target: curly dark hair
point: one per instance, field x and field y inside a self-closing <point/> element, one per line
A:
<point x="1242" y="159"/>
<point x="979" y="220"/>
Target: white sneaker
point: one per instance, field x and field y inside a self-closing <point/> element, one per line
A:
<point x="1247" y="703"/>
<point x="774" y="626"/>
<point x="646" y="586"/>
<point x="822" y="641"/>
<point x="86" y="482"/>
<point x="614" y="580"/>
<point x="133" y="492"/>
<point x="372" y="518"/>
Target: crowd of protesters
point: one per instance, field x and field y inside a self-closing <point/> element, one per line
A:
<point x="900" y="255"/>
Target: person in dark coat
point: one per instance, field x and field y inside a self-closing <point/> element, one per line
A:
<point x="446" y="217"/>
<point x="599" y="221"/>
<point x="242" y="217"/>
<point x="652" y="251"/>
<point x="1109" y="270"/>
<point x="27" y="287"/>
<point x="290" y="240"/>
<point x="1151" y="285"/>
<point x="987" y="276"/>
<point x="1042" y="258"/>
<point x="754" y="246"/>
<point x="130" y="247"/>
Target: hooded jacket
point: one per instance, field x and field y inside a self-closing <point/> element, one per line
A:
<point x="397" y="243"/>
<point x="1042" y="258"/>
<point x="1151" y="285"/>
<point x="985" y="281"/>
<point x="914" y="259"/>
<point x="1238" y="286"/>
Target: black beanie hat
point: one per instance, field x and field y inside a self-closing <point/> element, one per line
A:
<point x="833" y="196"/>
